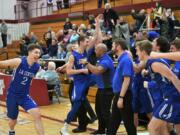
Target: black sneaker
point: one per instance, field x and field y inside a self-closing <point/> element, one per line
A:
<point x="98" y="132"/>
<point x="78" y="130"/>
<point x="11" y="132"/>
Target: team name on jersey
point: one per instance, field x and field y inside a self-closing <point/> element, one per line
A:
<point x="26" y="73"/>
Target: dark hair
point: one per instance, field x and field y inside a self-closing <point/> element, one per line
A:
<point x="122" y="43"/>
<point x="145" y="45"/>
<point x="176" y="43"/>
<point x="163" y="43"/>
<point x="33" y="46"/>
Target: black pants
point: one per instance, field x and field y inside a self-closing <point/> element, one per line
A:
<point x="125" y="114"/>
<point x="4" y="39"/>
<point x="102" y="107"/>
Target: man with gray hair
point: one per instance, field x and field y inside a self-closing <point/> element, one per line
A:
<point x="104" y="71"/>
<point x="3" y="30"/>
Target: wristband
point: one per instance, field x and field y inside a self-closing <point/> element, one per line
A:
<point x="121" y="97"/>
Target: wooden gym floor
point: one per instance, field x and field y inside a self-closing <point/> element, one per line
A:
<point x="52" y="117"/>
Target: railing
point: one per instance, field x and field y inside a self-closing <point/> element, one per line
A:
<point x="37" y="8"/>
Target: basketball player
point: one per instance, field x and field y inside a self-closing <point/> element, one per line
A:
<point x="168" y="110"/>
<point x="79" y="74"/>
<point x="25" y="69"/>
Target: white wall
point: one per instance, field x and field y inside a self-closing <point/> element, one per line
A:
<point x="7" y="9"/>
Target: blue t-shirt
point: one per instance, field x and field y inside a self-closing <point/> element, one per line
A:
<point x="104" y="80"/>
<point x="124" y="68"/>
<point x="22" y="77"/>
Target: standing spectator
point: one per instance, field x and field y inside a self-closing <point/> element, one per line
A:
<point x="110" y="18"/>
<point x="49" y="6"/>
<point x="100" y="3"/>
<point x="122" y="103"/>
<point x="122" y="30"/>
<point x="140" y="18"/>
<point x="68" y="24"/>
<point x="164" y="25"/>
<point x="3" y="30"/>
<point x="66" y="3"/>
<point x="91" y="19"/>
<point x="170" y="19"/>
<point x="59" y="4"/>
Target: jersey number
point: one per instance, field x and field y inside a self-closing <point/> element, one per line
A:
<point x="25" y="79"/>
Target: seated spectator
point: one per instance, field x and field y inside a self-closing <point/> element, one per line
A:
<point x="68" y="24"/>
<point x="52" y="77"/>
<point x="53" y="49"/>
<point x="33" y="38"/>
<point x="61" y="51"/>
<point x="74" y="37"/>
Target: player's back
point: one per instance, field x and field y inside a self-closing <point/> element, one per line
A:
<point x="22" y="77"/>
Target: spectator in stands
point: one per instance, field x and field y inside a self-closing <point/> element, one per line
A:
<point x="26" y="39"/>
<point x="140" y="18"/>
<point x="59" y="4"/>
<point x="3" y="30"/>
<point x="61" y="51"/>
<point x="110" y="18"/>
<point x="82" y="29"/>
<point x="68" y="24"/>
<point x="122" y="30"/>
<point x="91" y="19"/>
<point x="49" y="6"/>
<point x="52" y="50"/>
<point x="48" y="36"/>
<point x="52" y="77"/>
<point x="170" y="19"/>
<point x="66" y="3"/>
<point x="100" y="3"/>
<point x="33" y="38"/>
<point x="74" y="37"/>
<point x="164" y="26"/>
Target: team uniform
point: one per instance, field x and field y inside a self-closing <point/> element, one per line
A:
<point x="142" y="100"/>
<point x="18" y="91"/>
<point x="81" y="83"/>
<point x="168" y="109"/>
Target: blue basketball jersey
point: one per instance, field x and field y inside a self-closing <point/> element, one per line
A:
<point x="22" y="77"/>
<point x="77" y="57"/>
<point x="163" y="84"/>
<point x="176" y="69"/>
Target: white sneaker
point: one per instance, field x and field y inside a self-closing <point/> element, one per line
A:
<point x="64" y="130"/>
